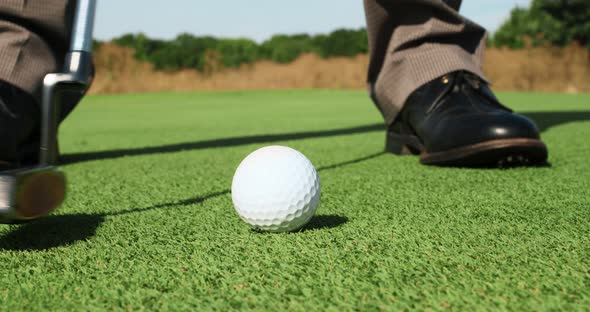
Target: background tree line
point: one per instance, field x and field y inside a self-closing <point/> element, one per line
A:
<point x="555" y="22"/>
<point x="189" y="51"/>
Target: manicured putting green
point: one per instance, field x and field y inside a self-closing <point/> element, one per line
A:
<point x="149" y="220"/>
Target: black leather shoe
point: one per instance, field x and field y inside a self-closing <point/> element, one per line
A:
<point x="456" y="120"/>
<point x="19" y="125"/>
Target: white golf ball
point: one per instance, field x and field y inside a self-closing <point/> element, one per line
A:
<point x="276" y="189"/>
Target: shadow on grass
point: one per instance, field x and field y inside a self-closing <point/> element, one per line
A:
<point x="51" y="232"/>
<point x="324" y="222"/>
<point x="546" y="120"/>
<point x="185" y="202"/>
<point x="216" y="143"/>
<point x="63" y="230"/>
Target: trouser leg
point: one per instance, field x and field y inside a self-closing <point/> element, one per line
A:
<point x="412" y="42"/>
<point x="34" y="37"/>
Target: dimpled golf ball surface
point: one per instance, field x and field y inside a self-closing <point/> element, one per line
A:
<point x="276" y="189"/>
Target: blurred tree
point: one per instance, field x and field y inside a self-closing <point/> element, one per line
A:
<point x="344" y="42"/>
<point x="558" y="22"/>
<point x="235" y="52"/>
<point x="142" y="45"/>
<point x="512" y="32"/>
<point x="564" y="21"/>
<point x="286" y="48"/>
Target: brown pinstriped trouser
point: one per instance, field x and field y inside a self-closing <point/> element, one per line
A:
<point x="411" y="42"/>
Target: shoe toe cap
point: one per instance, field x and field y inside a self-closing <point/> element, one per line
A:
<point x="508" y="126"/>
<point x="468" y="130"/>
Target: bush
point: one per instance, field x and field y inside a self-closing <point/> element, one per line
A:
<point x="285" y="48"/>
<point x="556" y="22"/>
<point x="344" y="42"/>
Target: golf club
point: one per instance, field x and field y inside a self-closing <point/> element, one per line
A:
<point x="29" y="193"/>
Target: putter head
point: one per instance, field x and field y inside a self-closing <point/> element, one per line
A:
<point x="26" y="194"/>
<point x="29" y="193"/>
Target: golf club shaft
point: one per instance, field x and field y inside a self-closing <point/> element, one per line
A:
<point x="76" y="77"/>
<point x="83" y="26"/>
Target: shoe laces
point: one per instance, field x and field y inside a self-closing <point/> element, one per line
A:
<point x="458" y="81"/>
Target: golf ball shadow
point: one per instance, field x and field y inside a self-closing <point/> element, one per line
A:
<point x="319" y="222"/>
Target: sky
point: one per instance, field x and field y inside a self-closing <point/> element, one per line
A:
<point x="256" y="19"/>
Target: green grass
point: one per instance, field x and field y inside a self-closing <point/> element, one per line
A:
<point x="149" y="220"/>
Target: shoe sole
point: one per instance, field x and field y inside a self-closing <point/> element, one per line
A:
<point x="496" y="153"/>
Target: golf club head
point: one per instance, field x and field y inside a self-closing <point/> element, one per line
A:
<point x="26" y="194"/>
<point x="29" y="193"/>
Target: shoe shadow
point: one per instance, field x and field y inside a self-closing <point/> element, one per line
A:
<point x="65" y="230"/>
<point x="546" y="120"/>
